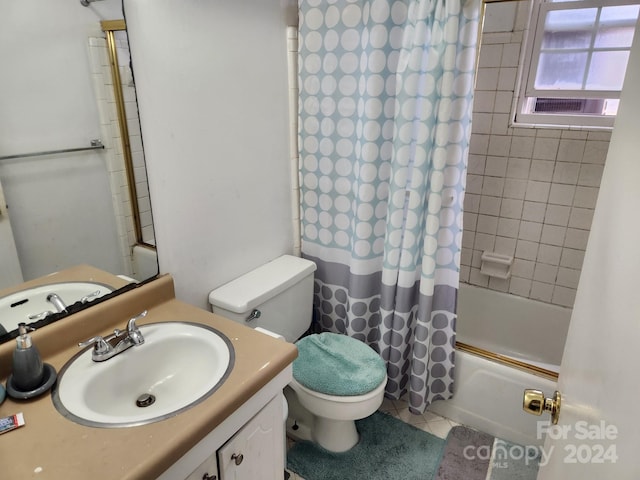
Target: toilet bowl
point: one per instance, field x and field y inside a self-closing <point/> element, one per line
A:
<point x="325" y="398"/>
<point x="332" y="417"/>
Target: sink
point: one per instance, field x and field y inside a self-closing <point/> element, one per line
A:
<point x="179" y="365"/>
<point x="19" y="306"/>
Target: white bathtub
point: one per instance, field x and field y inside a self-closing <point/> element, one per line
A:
<point x="488" y="394"/>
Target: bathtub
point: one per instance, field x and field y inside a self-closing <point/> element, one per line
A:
<point x="488" y="392"/>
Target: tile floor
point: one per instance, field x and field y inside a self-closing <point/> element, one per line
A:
<point x="428" y="422"/>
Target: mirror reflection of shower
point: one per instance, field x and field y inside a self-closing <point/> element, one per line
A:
<point x="125" y="127"/>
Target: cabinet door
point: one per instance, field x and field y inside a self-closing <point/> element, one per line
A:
<point x="256" y="451"/>
<point x="207" y="471"/>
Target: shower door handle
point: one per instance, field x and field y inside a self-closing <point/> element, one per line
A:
<point x="534" y="402"/>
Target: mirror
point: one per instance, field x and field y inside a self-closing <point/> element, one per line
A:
<point x="65" y="194"/>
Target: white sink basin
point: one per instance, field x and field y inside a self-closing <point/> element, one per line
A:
<point x="179" y="364"/>
<point x="19" y="306"/>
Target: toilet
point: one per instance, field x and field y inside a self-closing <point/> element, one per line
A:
<point x="336" y="379"/>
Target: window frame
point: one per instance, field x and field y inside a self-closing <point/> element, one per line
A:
<point x="526" y="90"/>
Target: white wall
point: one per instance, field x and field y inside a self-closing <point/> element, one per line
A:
<point x="212" y="90"/>
<point x="60" y="207"/>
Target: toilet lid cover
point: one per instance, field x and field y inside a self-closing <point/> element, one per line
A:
<point x="335" y="364"/>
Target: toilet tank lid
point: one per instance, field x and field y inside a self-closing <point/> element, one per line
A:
<point x="257" y="286"/>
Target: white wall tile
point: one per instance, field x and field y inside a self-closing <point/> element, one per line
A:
<point x="526" y="250"/>
<point x="476" y="164"/>
<point x="542" y="170"/>
<point x="468" y="239"/>
<point x="572" y="258"/>
<point x="490" y="205"/>
<point x="496" y="166"/>
<point x="518" y="168"/>
<point x="487" y="224"/>
<point x="541" y="291"/>
<point x="469" y="220"/>
<point x="481" y="122"/>
<point x="534" y="211"/>
<point x="590" y="175"/>
<point x="568" y="277"/>
<point x="595" y="152"/>
<point x="520" y="286"/>
<point x="500" y="124"/>
<point x="476" y="258"/>
<point x="493" y="186"/>
<point x="557" y="215"/>
<point x="499" y="145"/>
<point x="484" y="242"/>
<point x="477" y="278"/>
<point x="545" y="148"/>
<point x="505" y="246"/>
<point x="545" y="273"/>
<point x="514" y="188"/>
<point x="491" y="56"/>
<point x="553" y="235"/>
<point x="585" y="197"/>
<point x="471" y="202"/>
<point x="576" y="238"/>
<point x="571" y="150"/>
<point x="474" y="183"/>
<point x="523" y="268"/>
<point x="499" y="18"/>
<point x="510" y="55"/>
<point x="478" y="144"/>
<point x="566" y="172"/>
<point x="511" y="208"/>
<point x="537" y="191"/>
<point x="503" y="102"/>
<point x="549" y="254"/>
<point x="483" y="100"/>
<point x="487" y="79"/>
<point x="522" y="147"/>
<point x="508" y="227"/>
<point x="530" y="231"/>
<point x="507" y="78"/>
<point x="563" y="296"/>
<point x="499" y="284"/>
<point x="561" y="194"/>
<point x="581" y="218"/>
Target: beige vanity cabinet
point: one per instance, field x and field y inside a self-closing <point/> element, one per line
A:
<point x="255" y="451"/>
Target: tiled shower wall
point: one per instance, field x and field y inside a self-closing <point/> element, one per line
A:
<point x="530" y="192"/>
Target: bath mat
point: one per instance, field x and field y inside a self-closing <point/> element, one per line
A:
<point x="466" y="456"/>
<point x="388" y="449"/>
<point x="510" y="461"/>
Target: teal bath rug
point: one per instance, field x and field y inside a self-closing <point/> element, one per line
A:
<point x="388" y="449"/>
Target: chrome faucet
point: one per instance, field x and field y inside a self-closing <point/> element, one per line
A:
<point x="104" y="348"/>
<point x="57" y="302"/>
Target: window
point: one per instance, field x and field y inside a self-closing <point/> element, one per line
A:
<point x="577" y="59"/>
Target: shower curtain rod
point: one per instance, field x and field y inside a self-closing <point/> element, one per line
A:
<point x="95" y="145"/>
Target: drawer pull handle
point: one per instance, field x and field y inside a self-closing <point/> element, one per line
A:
<point x="237" y="458"/>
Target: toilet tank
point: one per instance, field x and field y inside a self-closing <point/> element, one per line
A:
<point x="281" y="291"/>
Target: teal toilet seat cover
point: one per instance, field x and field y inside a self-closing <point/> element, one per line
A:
<point x="335" y="364"/>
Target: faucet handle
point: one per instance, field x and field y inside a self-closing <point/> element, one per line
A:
<point x="100" y="346"/>
<point x="132" y="329"/>
<point x="131" y="324"/>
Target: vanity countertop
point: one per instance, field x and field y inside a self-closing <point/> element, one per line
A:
<point x="52" y="447"/>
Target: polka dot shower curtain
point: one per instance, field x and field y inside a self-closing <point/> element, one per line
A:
<point x="386" y="91"/>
